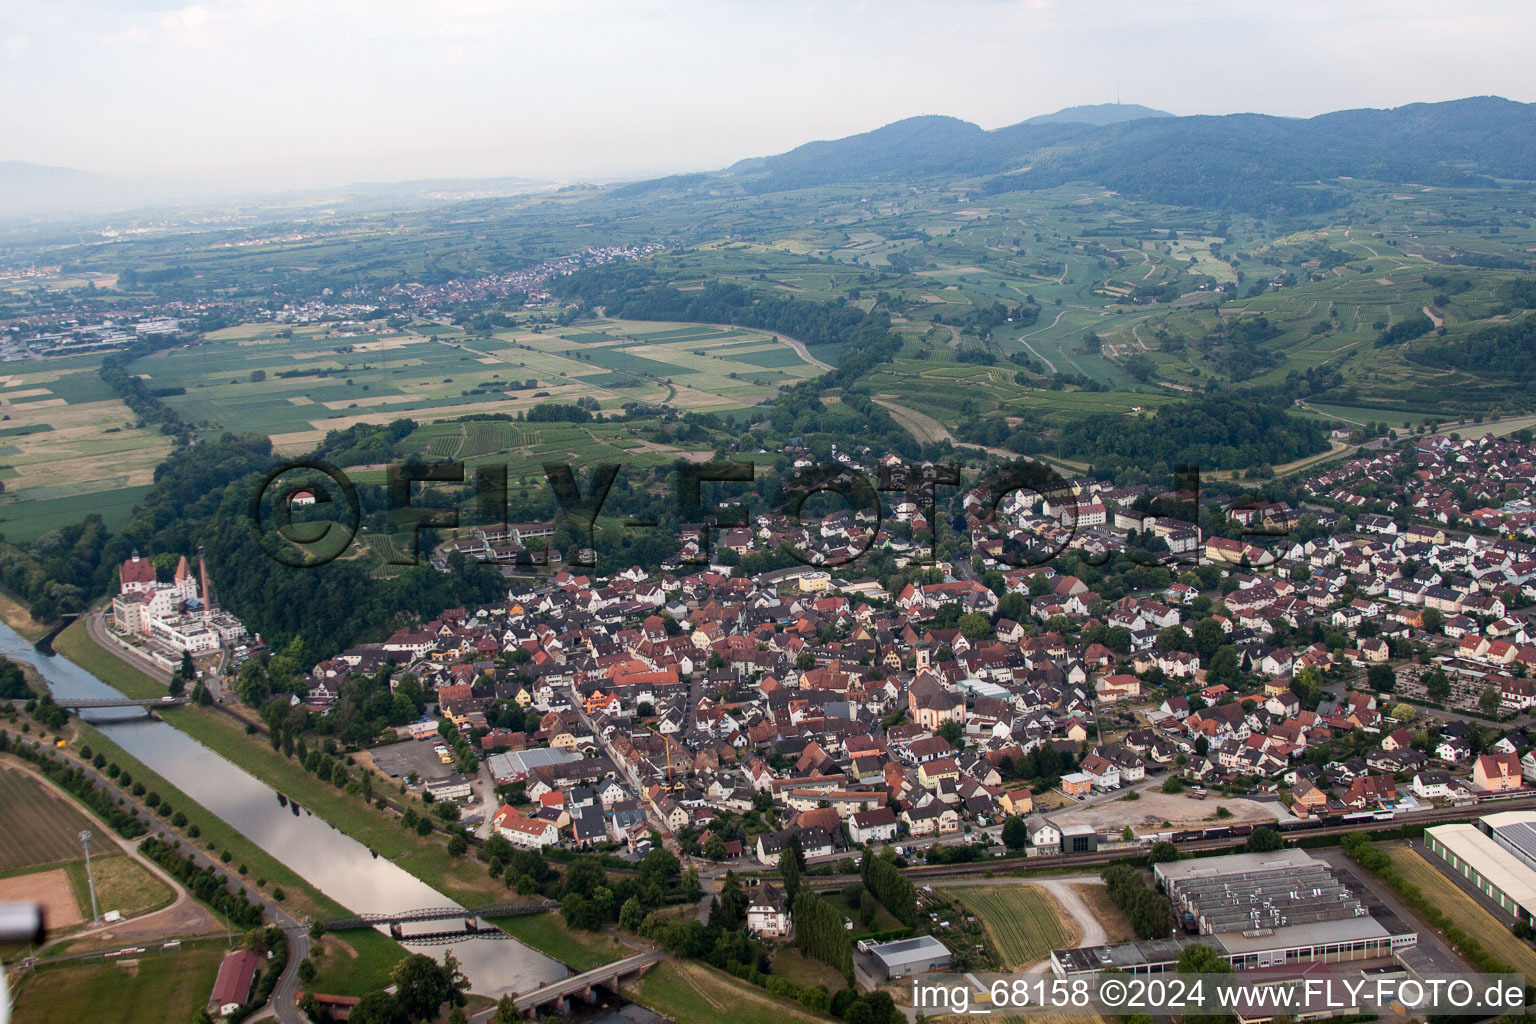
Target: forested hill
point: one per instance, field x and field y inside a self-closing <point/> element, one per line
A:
<point x="1099" y="113"/>
<point x="1219" y="432"/>
<point x="1252" y="162"/>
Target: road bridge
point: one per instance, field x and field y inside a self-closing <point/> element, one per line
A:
<point x="581" y="985"/>
<point x="84" y="703"/>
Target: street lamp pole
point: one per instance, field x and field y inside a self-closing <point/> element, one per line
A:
<point x="85" y="841"/>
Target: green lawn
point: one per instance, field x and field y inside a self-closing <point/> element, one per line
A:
<point x="149" y="990"/>
<point x="691" y="993"/>
<point x="804" y="971"/>
<point x="122" y="884"/>
<point x="548" y="933"/>
<point x="354" y="963"/>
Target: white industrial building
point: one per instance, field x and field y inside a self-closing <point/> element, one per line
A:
<point x="1256" y="910"/>
<point x="1497" y="855"/>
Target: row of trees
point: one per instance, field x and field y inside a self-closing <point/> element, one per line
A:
<point x="1147" y="910"/>
<point x="888" y="885"/>
<point x="819" y="932"/>
<point x="204" y="882"/>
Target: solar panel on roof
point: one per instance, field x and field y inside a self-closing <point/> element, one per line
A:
<point x="1521" y="836"/>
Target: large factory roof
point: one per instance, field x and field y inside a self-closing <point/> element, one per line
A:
<point x="1499" y="867"/>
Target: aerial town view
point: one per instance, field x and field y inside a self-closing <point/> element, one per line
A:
<point x="780" y="514"/>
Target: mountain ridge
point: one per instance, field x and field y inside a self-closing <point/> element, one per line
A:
<point x="1257" y="163"/>
<point x="1098" y="113"/>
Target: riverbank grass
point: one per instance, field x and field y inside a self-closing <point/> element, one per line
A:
<point x="354" y="963"/>
<point x="76" y="645"/>
<point x="302" y="899"/>
<point x="549" y="934"/>
<point x="14" y="614"/>
<point x="462" y="879"/>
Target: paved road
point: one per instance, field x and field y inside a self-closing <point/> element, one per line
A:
<point x="668" y="839"/>
<point x="285" y="994"/>
<point x="96" y="628"/>
<point x="1050" y="365"/>
<point x="184" y="917"/>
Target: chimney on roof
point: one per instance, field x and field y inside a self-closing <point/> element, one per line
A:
<point x="202" y="572"/>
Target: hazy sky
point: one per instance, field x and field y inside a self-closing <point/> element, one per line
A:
<point x="278" y="93"/>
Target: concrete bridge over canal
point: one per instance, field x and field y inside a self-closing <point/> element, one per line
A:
<point x="558" y="995"/>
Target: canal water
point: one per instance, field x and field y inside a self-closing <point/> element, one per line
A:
<point x="330" y="860"/>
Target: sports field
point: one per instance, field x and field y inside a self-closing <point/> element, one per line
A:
<point x="168" y="987"/>
<point x="1021" y="920"/>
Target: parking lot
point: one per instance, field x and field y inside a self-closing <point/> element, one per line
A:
<point x="397" y="760"/>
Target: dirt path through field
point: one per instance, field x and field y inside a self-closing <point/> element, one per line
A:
<point x="1031" y="334"/>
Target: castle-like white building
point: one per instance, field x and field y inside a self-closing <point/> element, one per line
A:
<point x="179" y="615"/>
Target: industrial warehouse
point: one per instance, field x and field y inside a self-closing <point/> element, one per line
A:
<point x="1257" y="910"/>
<point x="1497" y="855"/>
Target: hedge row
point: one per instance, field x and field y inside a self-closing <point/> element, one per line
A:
<point x="78" y="784"/>
<point x="1379" y="864"/>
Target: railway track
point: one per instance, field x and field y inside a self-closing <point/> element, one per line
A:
<point x="1075" y="861"/>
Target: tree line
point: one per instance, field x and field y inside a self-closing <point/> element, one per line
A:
<point x="1147" y="910"/>
<point x="888" y="885"/>
<point x="819" y="931"/>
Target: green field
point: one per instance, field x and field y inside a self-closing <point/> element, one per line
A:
<point x="122" y="884"/>
<point x="150" y="989"/>
<point x="69" y="447"/>
<point x="548" y="933"/>
<point x="691" y="993"/>
<point x="253" y="378"/>
<point x="354" y="963"/>
<point x="1073" y="281"/>
<point x="1022" y="921"/>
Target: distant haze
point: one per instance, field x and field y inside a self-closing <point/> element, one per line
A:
<point x="274" y="94"/>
